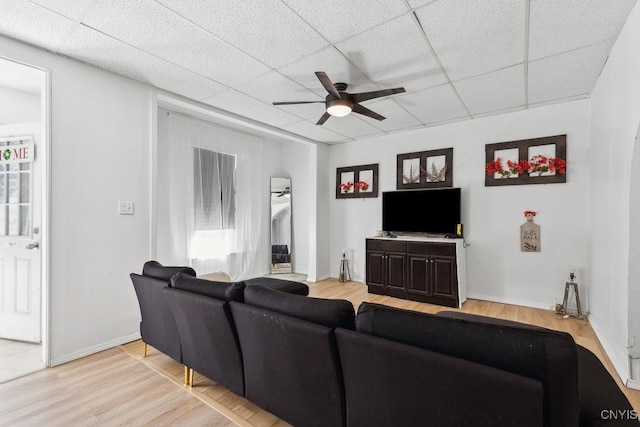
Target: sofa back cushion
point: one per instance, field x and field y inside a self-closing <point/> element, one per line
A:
<point x="291" y="366"/>
<point x="225" y="291"/>
<point x="331" y="313"/>
<point x="388" y="383"/>
<point x="208" y="337"/>
<point x="542" y="354"/>
<point x="159" y="271"/>
<point x="157" y="327"/>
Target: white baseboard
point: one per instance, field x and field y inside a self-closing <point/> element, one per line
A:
<point x="95" y="349"/>
<point x="634" y="384"/>
<point x="509" y="301"/>
<point x="620" y="364"/>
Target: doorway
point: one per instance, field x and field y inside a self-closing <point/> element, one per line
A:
<point x="23" y="136"/>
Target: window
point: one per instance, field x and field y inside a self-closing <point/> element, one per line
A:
<point x="15" y="199"/>
<point x="214" y="190"/>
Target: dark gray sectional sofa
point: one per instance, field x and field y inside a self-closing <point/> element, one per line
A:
<point x="313" y="362"/>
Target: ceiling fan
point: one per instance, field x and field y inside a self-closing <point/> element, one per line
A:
<point x="339" y="103"/>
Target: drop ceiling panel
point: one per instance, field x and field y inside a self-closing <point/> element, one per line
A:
<point x="246" y="25"/>
<point x="317" y="133"/>
<point x="557" y="27"/>
<point x="338" y="19"/>
<point x="243" y="105"/>
<point x="352" y="126"/>
<point x="273" y="86"/>
<point x="269" y="51"/>
<point x="33" y="24"/>
<point x="433" y="105"/>
<point x="396" y="117"/>
<point x="474" y="40"/>
<point x="161" y="32"/>
<point x="410" y="64"/>
<point x="73" y="9"/>
<point x="568" y="74"/>
<point x="495" y="91"/>
<point x="337" y="67"/>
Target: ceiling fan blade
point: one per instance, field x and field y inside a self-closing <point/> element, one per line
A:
<point x="323" y="119"/>
<point x="297" y="102"/>
<point x="357" y="108"/>
<point x="363" y="96"/>
<point x="327" y="83"/>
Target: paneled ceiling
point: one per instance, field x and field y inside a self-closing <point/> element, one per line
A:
<point x="456" y="59"/>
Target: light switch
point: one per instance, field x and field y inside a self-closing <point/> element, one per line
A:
<point x="125" y="207"/>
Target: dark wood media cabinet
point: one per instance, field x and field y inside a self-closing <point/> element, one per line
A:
<point x="421" y="269"/>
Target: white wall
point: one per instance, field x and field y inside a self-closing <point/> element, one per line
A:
<point x="496" y="269"/>
<point x="18" y="106"/>
<point x="100" y="127"/>
<point x="615" y="116"/>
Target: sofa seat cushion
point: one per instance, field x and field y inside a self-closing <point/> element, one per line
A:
<point x="331" y="313"/>
<point x="288" y="286"/>
<point x="224" y="291"/>
<point x="159" y="271"/>
<point x="541" y="354"/>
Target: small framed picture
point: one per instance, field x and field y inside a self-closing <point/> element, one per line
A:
<point x="425" y="169"/>
<point x="357" y="181"/>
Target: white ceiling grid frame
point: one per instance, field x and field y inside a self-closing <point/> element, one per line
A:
<point x="410" y="64"/>
<point x="472" y="38"/>
<point x="338" y="20"/>
<point x="245" y="25"/>
<point x="165" y="34"/>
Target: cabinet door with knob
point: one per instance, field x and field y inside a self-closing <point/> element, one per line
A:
<point x="432" y="273"/>
<point x="386" y="267"/>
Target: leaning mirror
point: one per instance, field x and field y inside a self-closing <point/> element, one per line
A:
<point x="281" y="225"/>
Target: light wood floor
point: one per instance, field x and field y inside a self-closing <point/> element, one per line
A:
<point x="106" y="393"/>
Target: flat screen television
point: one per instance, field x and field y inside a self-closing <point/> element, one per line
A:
<point x="435" y="211"/>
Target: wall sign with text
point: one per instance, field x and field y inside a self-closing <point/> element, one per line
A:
<point x="22" y="153"/>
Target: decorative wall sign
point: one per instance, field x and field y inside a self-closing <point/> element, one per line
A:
<point x="357" y="181"/>
<point x="425" y="169"/>
<point x="530" y="234"/>
<point x="22" y="153"/>
<point x="528" y="161"/>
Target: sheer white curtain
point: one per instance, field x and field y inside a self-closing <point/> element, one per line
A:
<point x="210" y="203"/>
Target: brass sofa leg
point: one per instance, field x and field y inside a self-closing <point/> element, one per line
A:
<point x="186" y="375"/>
<point x="191" y="377"/>
<point x="144" y="352"/>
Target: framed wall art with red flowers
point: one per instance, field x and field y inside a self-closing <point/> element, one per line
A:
<point x="357" y="181"/>
<point x="425" y="169"/>
<point x="528" y="161"/>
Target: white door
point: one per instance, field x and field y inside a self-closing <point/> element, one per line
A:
<point x="20" y="231"/>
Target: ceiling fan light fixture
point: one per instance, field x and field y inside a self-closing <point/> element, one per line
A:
<point x="339" y="107"/>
